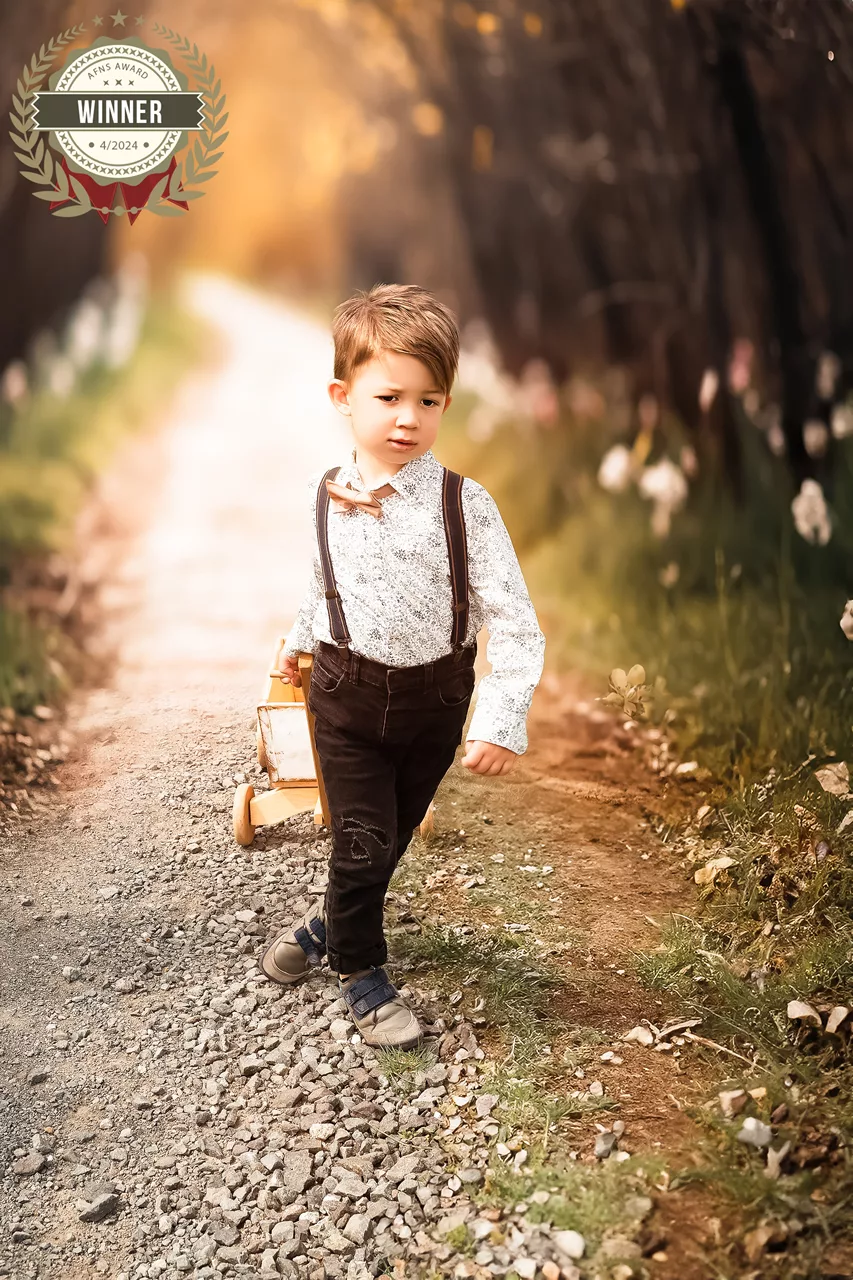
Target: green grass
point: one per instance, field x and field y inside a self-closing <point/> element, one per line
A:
<point x="51" y="451"/>
<point x="513" y="986"/>
<point x="599" y="1200"/>
<point x="33" y="660"/>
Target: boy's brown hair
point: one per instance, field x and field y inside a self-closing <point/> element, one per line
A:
<point x="396" y="317"/>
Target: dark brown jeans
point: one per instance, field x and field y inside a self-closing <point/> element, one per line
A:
<point x="386" y="737"/>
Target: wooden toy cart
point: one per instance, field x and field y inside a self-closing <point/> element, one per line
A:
<point x="288" y="752"/>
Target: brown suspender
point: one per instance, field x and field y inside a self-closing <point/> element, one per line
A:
<point x="337" y="622"/>
<point x="457" y="551"/>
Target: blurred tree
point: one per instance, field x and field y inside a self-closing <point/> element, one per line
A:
<point x="644" y="185"/>
<point x="44" y="261"/>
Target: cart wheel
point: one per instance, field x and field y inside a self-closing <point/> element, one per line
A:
<point x="262" y="755"/>
<point x="427" y="826"/>
<point x="244" y="832"/>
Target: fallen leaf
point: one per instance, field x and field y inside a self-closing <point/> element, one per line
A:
<point x="835" y="778"/>
<point x="836" y="1017"/>
<point x="683" y="1025"/>
<point x="710" y="871"/>
<point x="799" y="1010"/>
<point x="640" y="1035"/>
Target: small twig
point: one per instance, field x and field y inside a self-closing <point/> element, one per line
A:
<point x="712" y="1044"/>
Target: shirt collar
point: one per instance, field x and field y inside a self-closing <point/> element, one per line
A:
<point x="411" y="477"/>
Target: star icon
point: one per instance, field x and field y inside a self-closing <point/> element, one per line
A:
<point x="118" y="18"/>
<point x="139" y="21"/>
<point x="99" y="22"/>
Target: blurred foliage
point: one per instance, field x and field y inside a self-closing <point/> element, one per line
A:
<point x="746" y="635"/>
<point x="51" y="450"/>
<point x="52" y="447"/>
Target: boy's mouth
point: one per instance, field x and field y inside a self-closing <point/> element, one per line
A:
<point x="403" y="444"/>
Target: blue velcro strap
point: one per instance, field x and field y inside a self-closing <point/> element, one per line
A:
<point x="370" y="992"/>
<point x="306" y="942"/>
<point x="319" y="930"/>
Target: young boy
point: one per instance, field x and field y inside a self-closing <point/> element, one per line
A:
<point x="411" y="562"/>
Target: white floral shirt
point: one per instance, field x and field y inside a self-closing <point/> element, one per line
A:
<point x="393" y="577"/>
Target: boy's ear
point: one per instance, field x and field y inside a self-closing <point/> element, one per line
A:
<point x="338" y="394"/>
<point x="447" y="403"/>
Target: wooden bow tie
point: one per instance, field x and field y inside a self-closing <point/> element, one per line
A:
<point x="346" y="498"/>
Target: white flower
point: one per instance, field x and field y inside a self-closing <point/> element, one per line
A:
<point x="846" y="622"/>
<point x="614" y="474"/>
<point x="810" y="513"/>
<point x="708" y="388"/>
<point x="665" y="483"/>
<point x="841" y="421"/>
<point x="826" y="375"/>
<point x="815" y="437"/>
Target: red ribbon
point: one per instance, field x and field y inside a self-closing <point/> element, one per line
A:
<point x="132" y="193"/>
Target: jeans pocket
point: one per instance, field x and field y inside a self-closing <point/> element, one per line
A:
<point x="324" y="678"/>
<point x="456" y="688"/>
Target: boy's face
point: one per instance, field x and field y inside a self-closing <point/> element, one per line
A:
<point x="394" y="405"/>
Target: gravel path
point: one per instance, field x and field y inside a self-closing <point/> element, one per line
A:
<point x="164" y="1109"/>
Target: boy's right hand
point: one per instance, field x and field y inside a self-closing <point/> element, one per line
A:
<point x="289" y="668"/>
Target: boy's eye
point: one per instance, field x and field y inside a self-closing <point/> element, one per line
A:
<point x="433" y="404"/>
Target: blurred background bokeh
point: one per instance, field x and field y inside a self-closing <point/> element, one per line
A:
<point x="641" y="214"/>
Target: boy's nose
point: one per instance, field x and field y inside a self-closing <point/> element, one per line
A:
<point x="407" y="416"/>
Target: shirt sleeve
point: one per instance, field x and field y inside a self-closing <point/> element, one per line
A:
<point x="300" y="637"/>
<point x="516" y="645"/>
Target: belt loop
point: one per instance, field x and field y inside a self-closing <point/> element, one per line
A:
<point x="353" y="666"/>
<point x="429" y="672"/>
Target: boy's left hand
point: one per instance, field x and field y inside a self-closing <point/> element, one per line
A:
<point x="487" y="757"/>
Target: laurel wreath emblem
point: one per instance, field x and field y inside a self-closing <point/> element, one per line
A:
<point x="181" y="184"/>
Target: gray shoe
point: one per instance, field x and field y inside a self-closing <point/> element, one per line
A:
<point x="379" y="1011"/>
<point x="297" y="951"/>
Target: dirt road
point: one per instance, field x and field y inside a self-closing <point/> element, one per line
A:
<point x="164" y="1110"/>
